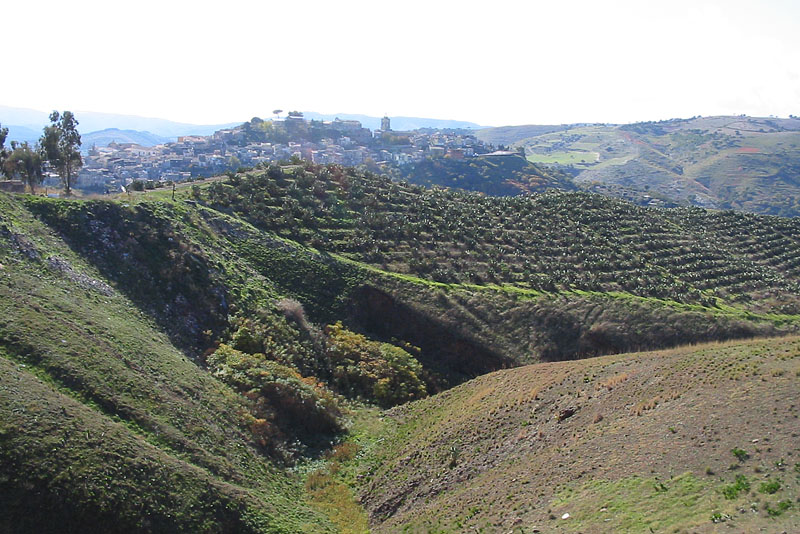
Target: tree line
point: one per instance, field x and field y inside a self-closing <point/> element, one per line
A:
<point x="58" y="148"/>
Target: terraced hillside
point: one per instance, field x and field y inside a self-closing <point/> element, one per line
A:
<point x="697" y="439"/>
<point x="742" y="163"/>
<point x="553" y="242"/>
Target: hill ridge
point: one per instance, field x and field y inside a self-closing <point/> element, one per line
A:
<point x="744" y="163"/>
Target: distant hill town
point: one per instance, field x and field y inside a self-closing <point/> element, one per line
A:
<point x="346" y="142"/>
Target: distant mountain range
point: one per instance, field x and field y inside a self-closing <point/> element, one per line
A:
<point x="115" y="135"/>
<point x="26" y="124"/>
<point x="103" y="128"/>
<point x="22" y="133"/>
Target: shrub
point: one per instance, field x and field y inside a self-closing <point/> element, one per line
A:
<point x="781" y="507"/>
<point x="741" y="484"/>
<point x="718" y="517"/>
<point x="284" y="406"/>
<point x="379" y="371"/>
<point x="770" y="486"/>
<point x="270" y="334"/>
<point x="740" y="454"/>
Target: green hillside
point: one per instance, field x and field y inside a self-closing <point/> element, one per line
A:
<point x="698" y="439"/>
<point x="105" y="425"/>
<point x="743" y="163"/>
<point x="207" y="363"/>
<point x="555" y="242"/>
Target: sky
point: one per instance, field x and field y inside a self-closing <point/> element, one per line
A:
<point x="493" y="63"/>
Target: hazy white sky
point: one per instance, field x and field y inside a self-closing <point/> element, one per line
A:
<point x="494" y="63"/>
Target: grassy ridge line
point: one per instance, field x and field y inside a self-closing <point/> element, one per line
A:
<point x="246" y="247"/>
<point x="84" y="337"/>
<point x="247" y="259"/>
<point x="325" y="283"/>
<point x="531" y="294"/>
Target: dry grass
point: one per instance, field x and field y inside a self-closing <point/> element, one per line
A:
<point x="614" y="381"/>
<point x="650" y="404"/>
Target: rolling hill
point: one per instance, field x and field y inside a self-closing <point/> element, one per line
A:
<point x="105" y="424"/>
<point x="214" y="362"/>
<point x="22" y="134"/>
<point x="508" y="135"/>
<point x="742" y="163"/>
<point x="696" y="439"/>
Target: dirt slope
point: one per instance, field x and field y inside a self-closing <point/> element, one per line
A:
<point x="623" y="443"/>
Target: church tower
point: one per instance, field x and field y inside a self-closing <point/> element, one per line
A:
<point x="386" y="124"/>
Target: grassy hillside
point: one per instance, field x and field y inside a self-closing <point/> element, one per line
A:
<point x="507" y="135"/>
<point x="696" y="439"/>
<point x="183" y="365"/>
<point x="742" y="163"/>
<point x="104" y="424"/>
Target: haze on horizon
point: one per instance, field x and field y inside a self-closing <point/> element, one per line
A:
<point x="519" y="63"/>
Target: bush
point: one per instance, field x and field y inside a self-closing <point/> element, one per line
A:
<point x="741" y="484"/>
<point x="284" y="406"/>
<point x="280" y="340"/>
<point x="782" y="507"/>
<point x="740" y="454"/>
<point x="770" y="487"/>
<point x="380" y="371"/>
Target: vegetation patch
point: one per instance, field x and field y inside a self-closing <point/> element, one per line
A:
<point x="731" y="491"/>
<point x="636" y="504"/>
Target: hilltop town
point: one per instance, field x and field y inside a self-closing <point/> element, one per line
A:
<point x="346" y="142"/>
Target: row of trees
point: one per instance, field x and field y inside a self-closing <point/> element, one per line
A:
<point x="59" y="147"/>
